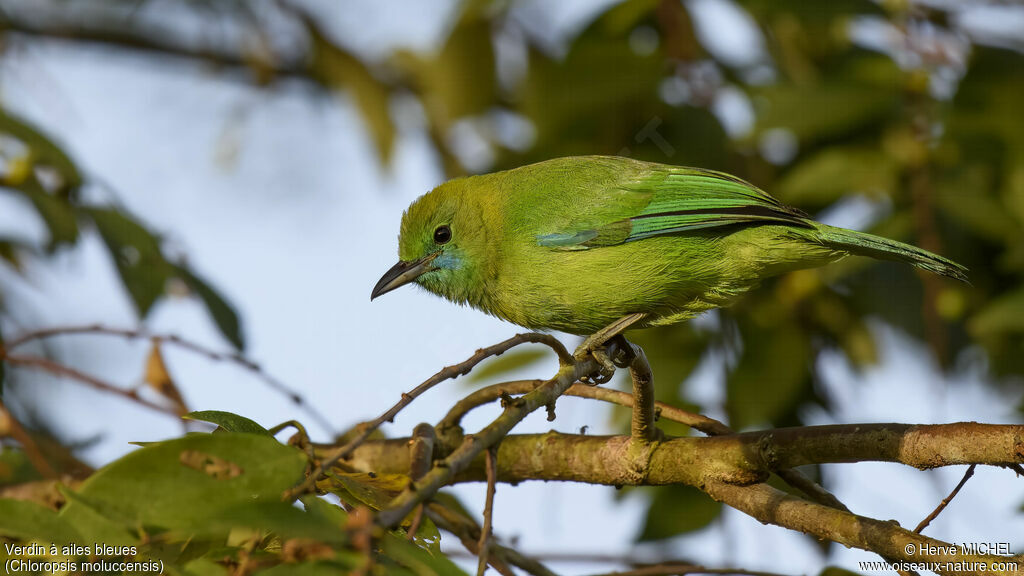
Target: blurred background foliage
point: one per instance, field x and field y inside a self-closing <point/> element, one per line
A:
<point x="906" y="113"/>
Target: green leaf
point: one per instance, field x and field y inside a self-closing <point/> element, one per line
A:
<point x="373" y="490"/>
<point x="96" y="521"/>
<point x="140" y="262"/>
<point x="336" y="67"/>
<point x="15" y="467"/>
<point x="677" y="510"/>
<point x="827" y="176"/>
<point x="507" y="363"/>
<point x="428" y="536"/>
<point x="228" y="421"/>
<point x="460" y="80"/>
<point x="222" y="313"/>
<point x="306" y="569"/>
<point x="967" y="196"/>
<point x="56" y="213"/>
<point x="181" y="483"/>
<point x="11" y="250"/>
<point x="420" y="561"/>
<point x="280" y="518"/>
<point x="1004" y="314"/>
<point x="205" y="567"/>
<point x="822" y="111"/>
<point x="23" y="520"/>
<point x="322" y="509"/>
<point x="825" y="12"/>
<point x="44" y="151"/>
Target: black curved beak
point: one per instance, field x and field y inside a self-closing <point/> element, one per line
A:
<point x="402" y="273"/>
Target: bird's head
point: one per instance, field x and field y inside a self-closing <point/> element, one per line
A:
<point x="441" y="244"/>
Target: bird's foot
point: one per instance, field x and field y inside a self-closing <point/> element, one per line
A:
<point x="597" y="345"/>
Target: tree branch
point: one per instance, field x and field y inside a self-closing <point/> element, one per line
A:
<point x="472" y="446"/>
<point x="729" y="469"/>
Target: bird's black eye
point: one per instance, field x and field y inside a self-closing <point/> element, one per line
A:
<point x="442" y="234"/>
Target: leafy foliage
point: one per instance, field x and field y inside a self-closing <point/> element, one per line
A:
<point x="210" y="503"/>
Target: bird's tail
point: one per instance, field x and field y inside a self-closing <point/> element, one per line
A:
<point x="864" y="244"/>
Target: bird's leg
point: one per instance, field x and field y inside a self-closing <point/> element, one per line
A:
<point x="595" y="345"/>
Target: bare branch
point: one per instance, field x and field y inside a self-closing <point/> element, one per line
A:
<point x="64" y="371"/>
<point x="485" y="532"/>
<point x="160" y="42"/>
<point x="178" y="341"/>
<point x="472" y="446"/>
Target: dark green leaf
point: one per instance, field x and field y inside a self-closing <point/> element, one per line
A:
<point x="183" y="482"/>
<point x="228" y="421"/>
<point x="23" y="520"/>
<point x="420" y="561"/>
<point x="1004" y="314"/>
<point x="206" y="567"/>
<point x="15" y="467"/>
<point x="373" y="490"/>
<point x="835" y="172"/>
<point x="96" y="521"/>
<point x="137" y="254"/>
<point x="677" y="510"/>
<point x="324" y="510"/>
<point x="56" y="212"/>
<point x="44" y="151"/>
<point x="223" y="314"/>
<point x="337" y="67"/>
<point x="460" y="80"/>
<point x="306" y="569"/>
<point x="822" y="111"/>
<point x="280" y="518"/>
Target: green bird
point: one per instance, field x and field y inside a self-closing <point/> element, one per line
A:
<point x="580" y="244"/>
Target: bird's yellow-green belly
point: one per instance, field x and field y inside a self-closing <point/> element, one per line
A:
<point x="669" y="278"/>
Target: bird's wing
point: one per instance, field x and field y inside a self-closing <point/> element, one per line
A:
<point x="680" y="200"/>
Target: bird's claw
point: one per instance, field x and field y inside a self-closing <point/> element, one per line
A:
<point x="607" y="363"/>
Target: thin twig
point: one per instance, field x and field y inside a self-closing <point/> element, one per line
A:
<point x="188" y="345"/>
<point x="10" y="426"/>
<point x="491" y="466"/>
<point x="477" y="398"/>
<point x="945" y="501"/>
<point x="468" y="532"/>
<point x="61" y="370"/>
<point x="446" y="373"/>
<point x="472" y="446"/>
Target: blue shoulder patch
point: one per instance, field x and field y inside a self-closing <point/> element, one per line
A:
<point x="564" y="240"/>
